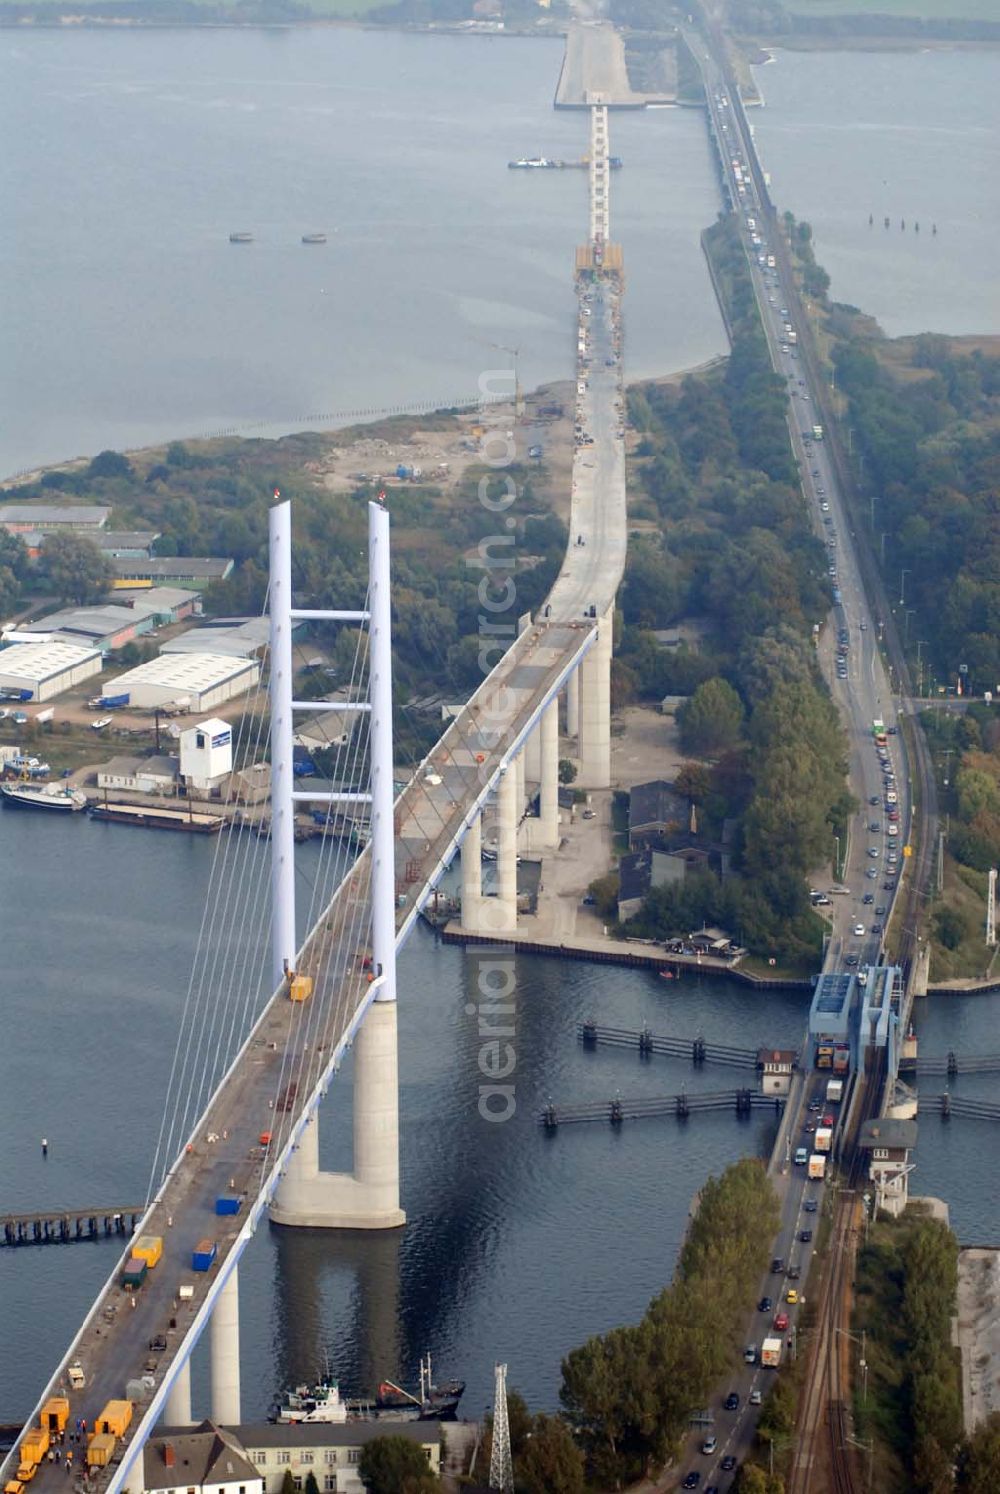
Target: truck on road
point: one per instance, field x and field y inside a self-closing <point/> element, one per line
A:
<point x="770" y="1353"/>
<point x="817" y="1167"/>
<point x="824" y="1138"/>
<point x="834" y="1091"/>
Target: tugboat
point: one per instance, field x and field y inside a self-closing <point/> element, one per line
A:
<point x="51" y="797"/>
<point x="241" y="238"/>
<point x="310" y="1404"/>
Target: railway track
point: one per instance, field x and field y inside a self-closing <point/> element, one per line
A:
<point x="825" y="1422"/>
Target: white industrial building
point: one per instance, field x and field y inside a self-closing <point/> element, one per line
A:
<point x="212" y="1459"/>
<point x="142" y="775"/>
<point x="241" y="637"/>
<point x="200" y="682"/>
<point x="47" y="669"/>
<point x="206" y="754"/>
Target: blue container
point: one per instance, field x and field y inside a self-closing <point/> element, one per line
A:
<point x="203" y="1256"/>
<point x="227" y="1206"/>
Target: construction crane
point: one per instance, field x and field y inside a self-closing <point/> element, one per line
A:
<point x="514" y="354"/>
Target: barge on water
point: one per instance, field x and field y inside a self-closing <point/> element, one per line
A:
<point x="191" y="820"/>
<point x="551" y="163"/>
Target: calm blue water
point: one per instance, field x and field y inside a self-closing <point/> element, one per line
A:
<point x="518" y="1244"/>
<point x="130" y="157"/>
<point x="911" y="135"/>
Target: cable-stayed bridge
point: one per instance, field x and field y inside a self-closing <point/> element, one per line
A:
<point x="239" y="1132"/>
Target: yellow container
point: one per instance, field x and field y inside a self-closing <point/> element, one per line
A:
<point x="100" y="1448"/>
<point x="26" y="1472"/>
<point x="148" y="1248"/>
<point x="34" y="1446"/>
<point x="55" y="1413"/>
<point x="114" y="1418"/>
<point x="300" y="987"/>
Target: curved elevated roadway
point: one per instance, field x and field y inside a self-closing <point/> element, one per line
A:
<point x="244" y="1138"/>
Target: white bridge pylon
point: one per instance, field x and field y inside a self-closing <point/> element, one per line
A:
<point x="368" y="1198"/>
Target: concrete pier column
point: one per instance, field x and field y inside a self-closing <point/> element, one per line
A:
<point x="472" y="876"/>
<point x="302" y="1167"/>
<point x="573" y="704"/>
<point x="376" y="1119"/>
<point x="531" y="772"/>
<point x="503" y="912"/>
<point x="519" y="790"/>
<point x="595" y="711"/>
<point x="225" y="1347"/>
<point x="177" y="1412"/>
<point x="548" y="806"/>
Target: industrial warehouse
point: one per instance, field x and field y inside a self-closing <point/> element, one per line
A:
<point x="199" y="682"/>
<point x="41" y="671"/>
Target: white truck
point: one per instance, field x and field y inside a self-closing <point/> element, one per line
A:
<point x="770" y="1353"/>
<point x="824" y="1138"/>
<point x="817" y="1167"/>
<point x="834" y="1091"/>
<point x="817" y="433"/>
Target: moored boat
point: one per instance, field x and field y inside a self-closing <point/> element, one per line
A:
<point x="50" y="797"/>
<point x="314" y="238"/>
<point x="311" y="1404"/>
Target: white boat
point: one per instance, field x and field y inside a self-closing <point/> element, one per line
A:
<point x="48" y="796"/>
<point x="311" y="1404"/>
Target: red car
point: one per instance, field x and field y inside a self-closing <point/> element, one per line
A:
<point x="828" y="1120"/>
<point x="781" y="1321"/>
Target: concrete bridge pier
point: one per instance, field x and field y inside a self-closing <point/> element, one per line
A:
<point x="177" y="1412"/>
<point x="532" y="768"/>
<point x="503" y="910"/>
<point x="595" y="710"/>
<point x="520" y="785"/>
<point x="573" y="704"/>
<point x="472" y="876"/>
<point x="548" y="804"/>
<point x="225" y="1353"/>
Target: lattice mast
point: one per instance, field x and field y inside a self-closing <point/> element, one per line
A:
<point x="501" y="1464"/>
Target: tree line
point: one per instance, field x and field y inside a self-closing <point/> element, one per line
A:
<point x="926" y="419"/>
<point x="628" y="1394"/>
<point x="735" y="551"/>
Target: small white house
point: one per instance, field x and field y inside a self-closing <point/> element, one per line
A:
<point x="206" y="754"/>
<point x="202" y="1460"/>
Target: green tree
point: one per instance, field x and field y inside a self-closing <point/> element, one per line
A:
<point x="392" y="1465"/>
<point x="110" y="464"/>
<point x="14" y="554"/>
<point x="10" y="590"/>
<point x="311" y="1486"/>
<point x="567" y="771"/>
<point x="979" y="1459"/>
<point x="604" y="891"/>
<point x="288" y="1483"/>
<point x="712" y="720"/>
<point x="550" y="1461"/>
<point x="75" y="567"/>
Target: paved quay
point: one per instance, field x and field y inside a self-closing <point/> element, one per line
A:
<point x="594" y="72"/>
